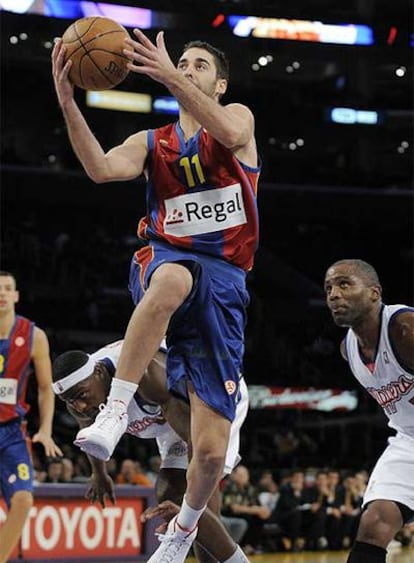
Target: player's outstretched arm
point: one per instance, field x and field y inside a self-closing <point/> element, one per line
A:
<point x="232" y="125"/>
<point x="121" y="163"/>
<point x="46" y="398"/>
<point x="101" y="485"/>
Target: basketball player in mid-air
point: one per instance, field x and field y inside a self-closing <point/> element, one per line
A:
<point x="189" y="282"/>
<point x="379" y="347"/>
<point x="83" y="382"/>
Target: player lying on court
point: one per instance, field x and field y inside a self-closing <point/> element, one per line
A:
<point x="83" y="382"/>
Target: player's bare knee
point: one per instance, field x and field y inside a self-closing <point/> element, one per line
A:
<point x="376" y="529"/>
<point x="21" y="502"/>
<point x="211" y="462"/>
<point x="170" y="286"/>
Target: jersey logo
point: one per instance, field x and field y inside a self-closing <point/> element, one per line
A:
<point x="203" y="212"/>
<point x="388" y="395"/>
<point x="137" y="426"/>
<point x="20" y="341"/>
<point x="178" y="449"/>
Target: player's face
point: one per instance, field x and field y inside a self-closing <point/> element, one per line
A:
<point x="198" y="65"/>
<point x="86" y="396"/>
<point x="348" y="296"/>
<point x="8" y="294"/>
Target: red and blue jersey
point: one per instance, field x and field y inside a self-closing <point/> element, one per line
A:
<point x="15" y="368"/>
<point x="200" y="197"/>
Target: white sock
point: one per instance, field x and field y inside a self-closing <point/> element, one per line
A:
<point x="122" y="390"/>
<point x="188" y="517"/>
<point x="238" y="557"/>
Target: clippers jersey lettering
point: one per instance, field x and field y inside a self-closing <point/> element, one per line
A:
<point x="388" y="383"/>
<point x="144" y="420"/>
<point x="200" y="197"/>
<point x="15" y="368"/>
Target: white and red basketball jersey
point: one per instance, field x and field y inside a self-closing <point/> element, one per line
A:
<point x="386" y="380"/>
<point x="146" y="420"/>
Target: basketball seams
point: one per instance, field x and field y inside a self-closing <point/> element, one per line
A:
<point x="77" y="23"/>
<point x="107" y="55"/>
<point x="79" y="37"/>
<point x="84" y="44"/>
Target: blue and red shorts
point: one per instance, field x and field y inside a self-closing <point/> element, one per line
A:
<point x="205" y="338"/>
<point x="16" y="471"/>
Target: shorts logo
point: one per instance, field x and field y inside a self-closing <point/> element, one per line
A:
<point x="203" y="212"/>
<point x="230" y="386"/>
<point x="178" y="449"/>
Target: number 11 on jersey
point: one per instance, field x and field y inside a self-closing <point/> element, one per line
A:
<point x="192" y="170"/>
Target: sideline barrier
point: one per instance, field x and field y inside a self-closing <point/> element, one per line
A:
<point x="64" y="526"/>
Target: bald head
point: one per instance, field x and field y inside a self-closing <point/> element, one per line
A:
<point x="360" y="268"/>
<point x="353" y="291"/>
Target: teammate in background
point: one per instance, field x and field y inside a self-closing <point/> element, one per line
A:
<point x="22" y="345"/>
<point x="83" y="382"/>
<point x="190" y="281"/>
<point x="379" y="347"/>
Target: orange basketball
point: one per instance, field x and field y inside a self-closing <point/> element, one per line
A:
<point x="95" y="46"/>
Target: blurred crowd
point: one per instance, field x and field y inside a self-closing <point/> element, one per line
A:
<point x="266" y="510"/>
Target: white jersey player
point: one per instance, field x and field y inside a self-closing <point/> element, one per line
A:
<point x="83" y="381"/>
<point x="379" y="347"/>
<point x="145" y="418"/>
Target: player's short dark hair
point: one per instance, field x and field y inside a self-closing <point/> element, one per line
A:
<point x="67" y="363"/>
<point x="220" y="58"/>
<point x="6" y="274"/>
<point x="367" y="272"/>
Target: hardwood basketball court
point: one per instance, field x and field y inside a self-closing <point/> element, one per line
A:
<point x="405" y="555"/>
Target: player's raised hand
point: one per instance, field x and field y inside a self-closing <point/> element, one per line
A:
<point x="149" y="58"/>
<point x="60" y="70"/>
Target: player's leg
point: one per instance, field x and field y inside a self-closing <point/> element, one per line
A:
<point x="213" y="541"/>
<point x="204" y="358"/>
<point x="20" y="505"/>
<point x="210" y="433"/>
<point x="16" y="485"/>
<point x="378" y="526"/>
<point x="169" y="286"/>
<point x="388" y="502"/>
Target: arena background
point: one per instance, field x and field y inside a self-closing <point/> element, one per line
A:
<point x="334" y="130"/>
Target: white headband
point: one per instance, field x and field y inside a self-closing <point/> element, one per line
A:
<point x="62" y="385"/>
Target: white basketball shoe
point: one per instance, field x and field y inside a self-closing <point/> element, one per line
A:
<point x="175" y="544"/>
<point x="100" y="438"/>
